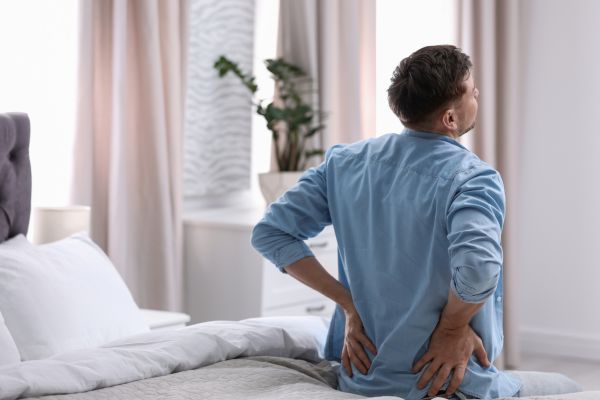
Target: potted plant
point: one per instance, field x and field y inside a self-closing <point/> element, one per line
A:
<point x="289" y="118"/>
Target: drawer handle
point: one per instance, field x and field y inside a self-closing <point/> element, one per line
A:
<point x="315" y="309"/>
<point x="318" y="245"/>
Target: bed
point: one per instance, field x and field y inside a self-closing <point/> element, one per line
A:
<point x="261" y="358"/>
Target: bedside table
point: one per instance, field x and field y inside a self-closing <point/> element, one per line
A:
<point x="164" y="320"/>
<point x="283" y="295"/>
<point x="226" y="279"/>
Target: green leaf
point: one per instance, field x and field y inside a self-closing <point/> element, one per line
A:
<point x="225" y="65"/>
<point x="311" y="132"/>
<point x="312" y="153"/>
<point x="274" y="113"/>
<point x="282" y="69"/>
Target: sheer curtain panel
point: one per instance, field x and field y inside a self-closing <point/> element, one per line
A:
<point x="128" y="151"/>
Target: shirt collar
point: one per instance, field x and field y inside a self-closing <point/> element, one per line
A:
<point x="431" y="135"/>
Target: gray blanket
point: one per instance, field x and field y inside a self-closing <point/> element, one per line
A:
<point x="242" y="378"/>
<point x="263" y="378"/>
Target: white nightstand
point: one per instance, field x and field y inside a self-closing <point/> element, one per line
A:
<point x="283" y="295"/>
<point x="226" y="279"/>
<point x="164" y="320"/>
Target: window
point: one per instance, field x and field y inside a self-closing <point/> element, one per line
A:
<point x="38" y="76"/>
<point x="265" y="46"/>
<point x="403" y="26"/>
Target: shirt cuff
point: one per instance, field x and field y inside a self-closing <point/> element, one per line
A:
<point x="290" y="253"/>
<point x="467" y="292"/>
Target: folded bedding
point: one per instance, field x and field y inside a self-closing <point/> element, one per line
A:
<point x="159" y="353"/>
<point x="263" y="358"/>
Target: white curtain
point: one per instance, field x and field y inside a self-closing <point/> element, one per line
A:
<point x="334" y="42"/>
<point x="489" y="33"/>
<point x="128" y="151"/>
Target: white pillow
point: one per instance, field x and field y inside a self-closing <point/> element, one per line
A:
<point x="63" y="296"/>
<point x="9" y="354"/>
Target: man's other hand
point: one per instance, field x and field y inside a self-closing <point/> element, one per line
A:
<point x="355" y="342"/>
<point x="448" y="354"/>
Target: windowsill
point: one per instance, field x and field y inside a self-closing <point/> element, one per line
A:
<point x="235" y="217"/>
<point x="244" y="199"/>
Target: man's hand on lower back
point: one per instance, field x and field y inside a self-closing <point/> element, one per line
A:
<point x="355" y="343"/>
<point x="448" y="354"/>
<point x="310" y="272"/>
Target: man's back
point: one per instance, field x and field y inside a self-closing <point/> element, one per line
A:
<point x="391" y="201"/>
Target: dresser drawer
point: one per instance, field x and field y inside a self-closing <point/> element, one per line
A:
<point x="281" y="289"/>
<point x="322" y="307"/>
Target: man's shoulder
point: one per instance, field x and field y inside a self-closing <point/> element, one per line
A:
<point x="474" y="171"/>
<point x="442" y="159"/>
<point x="469" y="162"/>
<point x="450" y="160"/>
<point x="365" y="147"/>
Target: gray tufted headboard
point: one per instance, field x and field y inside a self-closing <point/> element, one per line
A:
<point x="15" y="175"/>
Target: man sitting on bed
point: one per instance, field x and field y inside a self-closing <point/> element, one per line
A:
<point x="418" y="220"/>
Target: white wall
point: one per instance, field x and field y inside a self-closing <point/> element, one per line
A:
<point x="559" y="268"/>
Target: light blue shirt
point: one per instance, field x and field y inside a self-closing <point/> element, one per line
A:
<point x="415" y="215"/>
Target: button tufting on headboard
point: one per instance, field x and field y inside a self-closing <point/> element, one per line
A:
<point x="15" y="175"/>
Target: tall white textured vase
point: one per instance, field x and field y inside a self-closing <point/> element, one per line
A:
<point x="274" y="184"/>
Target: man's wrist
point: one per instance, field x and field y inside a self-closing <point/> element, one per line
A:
<point x="450" y="323"/>
<point x="347" y="304"/>
<point x="457" y="314"/>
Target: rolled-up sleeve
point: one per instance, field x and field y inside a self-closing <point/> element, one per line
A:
<point x="302" y="212"/>
<point x="475" y="218"/>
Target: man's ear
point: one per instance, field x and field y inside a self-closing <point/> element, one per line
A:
<point x="449" y="119"/>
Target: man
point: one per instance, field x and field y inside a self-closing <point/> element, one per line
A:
<point x="418" y="220"/>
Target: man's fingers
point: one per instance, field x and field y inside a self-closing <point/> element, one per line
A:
<point x="421" y="363"/>
<point x="346" y="361"/>
<point x="353" y="353"/>
<point x="359" y="352"/>
<point x="457" y="377"/>
<point x="366" y="342"/>
<point x="481" y="354"/>
<point x="442" y="374"/>
<point x="428" y="374"/>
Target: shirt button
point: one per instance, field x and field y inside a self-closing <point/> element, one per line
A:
<point x="499" y="298"/>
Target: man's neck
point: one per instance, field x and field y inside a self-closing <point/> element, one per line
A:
<point x="440" y="130"/>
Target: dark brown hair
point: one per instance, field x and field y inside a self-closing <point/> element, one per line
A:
<point x="426" y="80"/>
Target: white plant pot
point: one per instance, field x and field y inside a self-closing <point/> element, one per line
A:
<point x="274" y="184"/>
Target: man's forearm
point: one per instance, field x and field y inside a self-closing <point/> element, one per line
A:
<point x="309" y="271"/>
<point x="457" y="313"/>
